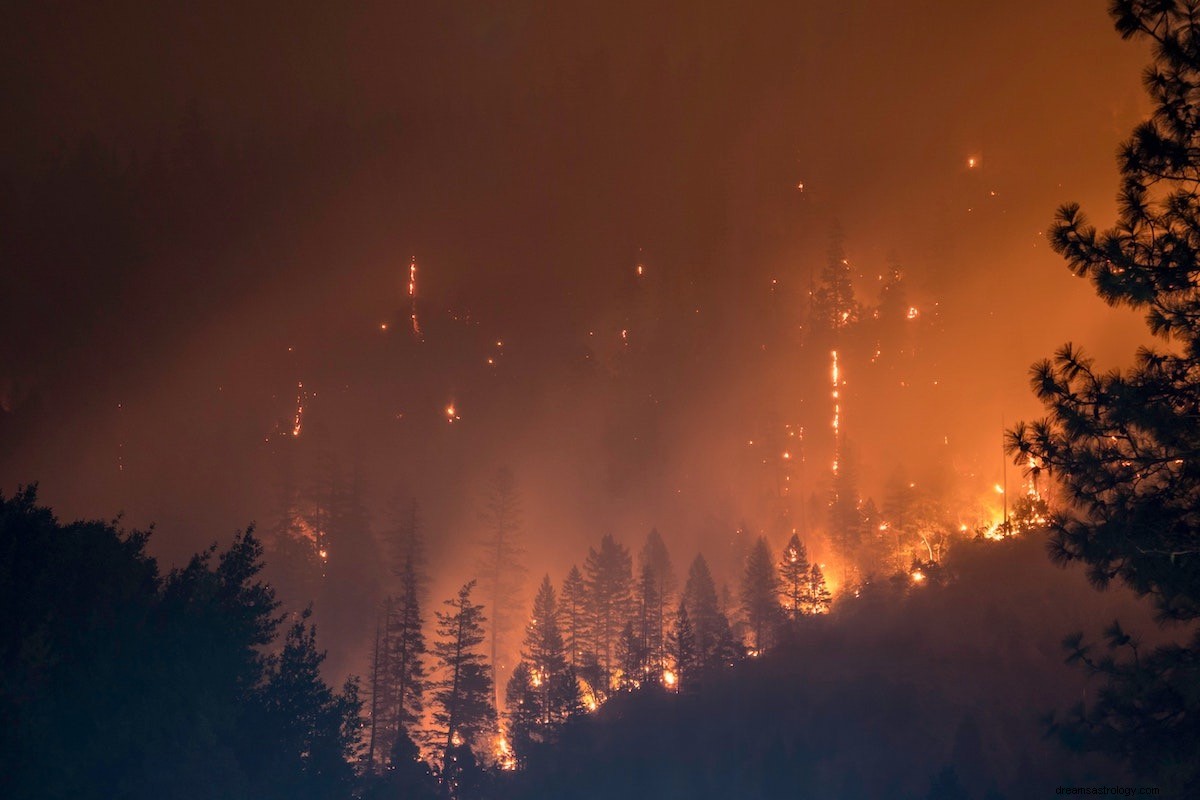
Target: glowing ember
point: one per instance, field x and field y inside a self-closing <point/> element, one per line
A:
<point x="918" y="576"/>
<point x="670" y="680"/>
<point x="412" y="295"/>
<point x="452" y="413"/>
<point x="298" y="421"/>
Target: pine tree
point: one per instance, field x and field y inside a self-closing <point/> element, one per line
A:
<point x="501" y="565"/>
<point x="847" y="525"/>
<point x="1123" y="443"/>
<point x="318" y="729"/>
<point x="794" y="574"/>
<point x="714" y="642"/>
<point x="522" y="711"/>
<point x="464" y="710"/>
<point x="631" y="657"/>
<point x="544" y="653"/>
<point x="406" y="646"/>
<point x="816" y="598"/>
<point x="760" y="595"/>
<point x="398" y="670"/>
<point x="651" y="642"/>
<point x="682" y="645"/>
<point x="379" y="686"/>
<point x="657" y="587"/>
<point x="609" y="584"/>
<point x="574" y="613"/>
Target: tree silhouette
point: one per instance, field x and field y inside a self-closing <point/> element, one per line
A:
<point x="574" y="617"/>
<point x="710" y="626"/>
<point x="1123" y="444"/>
<point x="793" y="571"/>
<point x="609" y="582"/>
<point x="501" y="566"/>
<point x="543" y="685"/>
<point x="760" y="595"/>
<point x="464" y="711"/>
<point x="656" y="587"/>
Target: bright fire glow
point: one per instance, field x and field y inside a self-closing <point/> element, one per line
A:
<point x="298" y="421"/>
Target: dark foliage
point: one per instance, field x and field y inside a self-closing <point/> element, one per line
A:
<point x="1124" y="444"/>
<point x="118" y="682"/>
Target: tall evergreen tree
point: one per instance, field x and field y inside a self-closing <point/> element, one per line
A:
<point x="545" y="653"/>
<point x="1124" y="443"/>
<point x="847" y="524"/>
<point x="760" y="595"/>
<point x="681" y="643"/>
<point x="710" y="626"/>
<point x="501" y="561"/>
<point x="657" y="587"/>
<point x="793" y="571"/>
<point x="406" y="653"/>
<point x="609" y="582"/>
<point x="631" y="657"/>
<point x="464" y="711"/>
<point x="575" y="617"/>
<point x="816" y="598"/>
<point x="651" y="641"/>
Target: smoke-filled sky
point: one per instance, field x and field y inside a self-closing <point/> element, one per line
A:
<point x="207" y="205"/>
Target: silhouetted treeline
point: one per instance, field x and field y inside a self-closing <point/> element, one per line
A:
<point x="119" y="682"/>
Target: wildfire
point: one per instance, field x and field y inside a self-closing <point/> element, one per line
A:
<point x="918" y="576"/>
<point x="670" y="679"/>
<point x="298" y="421"/>
<point x="412" y="296"/>
<point x="835" y="373"/>
<point x="505" y="758"/>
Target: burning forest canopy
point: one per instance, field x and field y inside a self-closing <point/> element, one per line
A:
<point x="664" y="305"/>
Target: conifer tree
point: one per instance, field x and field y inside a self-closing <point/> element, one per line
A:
<point x="501" y="560"/>
<point x="609" y="584"/>
<point x="760" y="595"/>
<point x="816" y="599"/>
<point x="574" y="617"/>
<point x="682" y="645"/>
<point x="657" y="586"/>
<point x="651" y="642"/>
<point x="522" y="711"/>
<point x="847" y="525"/>
<point x="1124" y="443"/>
<point x="794" y="574"/>
<point x="631" y="657"/>
<point x="463" y="697"/>
<point x="545" y="654"/>
<point x="710" y="626"/>
<point x="406" y="653"/>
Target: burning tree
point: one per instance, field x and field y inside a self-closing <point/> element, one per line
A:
<point x="543" y="691"/>
<point x="1125" y="445"/>
<point x="793" y="571"/>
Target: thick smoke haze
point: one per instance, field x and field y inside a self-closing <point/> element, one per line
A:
<point x="617" y="214"/>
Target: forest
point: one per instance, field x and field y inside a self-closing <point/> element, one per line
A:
<point x="730" y="538"/>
